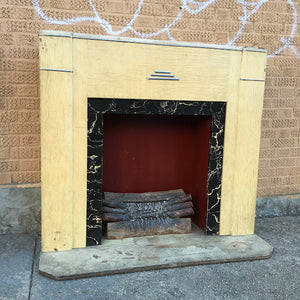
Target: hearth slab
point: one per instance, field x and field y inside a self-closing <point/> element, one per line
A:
<point x="151" y="253"/>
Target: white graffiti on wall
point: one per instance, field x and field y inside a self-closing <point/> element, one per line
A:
<point x="190" y="6"/>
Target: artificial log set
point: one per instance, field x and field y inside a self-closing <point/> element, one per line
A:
<point x="152" y="213"/>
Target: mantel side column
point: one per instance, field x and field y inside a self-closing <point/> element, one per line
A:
<point x="251" y="92"/>
<point x="56" y="142"/>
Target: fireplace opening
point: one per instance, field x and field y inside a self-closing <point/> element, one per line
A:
<point x="138" y="146"/>
<point x="150" y="153"/>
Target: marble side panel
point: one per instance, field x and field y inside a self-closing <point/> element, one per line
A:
<point x="94" y="177"/>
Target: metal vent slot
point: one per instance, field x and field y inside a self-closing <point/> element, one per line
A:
<point x="162" y="75"/>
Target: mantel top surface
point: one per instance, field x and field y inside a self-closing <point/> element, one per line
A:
<point x="147" y="41"/>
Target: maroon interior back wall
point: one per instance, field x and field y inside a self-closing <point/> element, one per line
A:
<point x="148" y="153"/>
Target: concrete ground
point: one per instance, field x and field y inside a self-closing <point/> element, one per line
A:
<point x="274" y="278"/>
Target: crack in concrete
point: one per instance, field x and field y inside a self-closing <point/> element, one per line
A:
<point x="34" y="255"/>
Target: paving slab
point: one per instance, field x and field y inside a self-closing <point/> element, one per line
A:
<point x="16" y="257"/>
<point x="273" y="278"/>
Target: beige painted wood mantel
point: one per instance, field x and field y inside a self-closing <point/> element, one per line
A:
<point x="74" y="67"/>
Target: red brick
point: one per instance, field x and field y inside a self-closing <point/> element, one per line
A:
<point x="285" y="113"/>
<point x="6" y="39"/>
<point x="270" y="113"/>
<point x="27" y="90"/>
<point x="272" y="92"/>
<point x="6" y="12"/>
<point x="290" y="71"/>
<point x="29" y="116"/>
<point x="268" y="133"/>
<point x="282" y="143"/>
<point x="24" y="103"/>
<point x="265" y="123"/>
<point x="144" y="21"/>
<point x="24" y="128"/>
<point x="296" y="112"/>
<point x="26" y="153"/>
<point x="265" y="144"/>
<point x="4" y="153"/>
<point x="9" y="165"/>
<point x="286" y="102"/>
<point x="287" y="171"/>
<point x="286" y="81"/>
<point x="264" y="163"/>
<point x="25" y="26"/>
<point x="23" y="77"/>
<point x="289" y="152"/>
<point x="282" y="190"/>
<point x="30" y="140"/>
<point x="284" y="133"/>
<point x="273" y="71"/>
<point x="265" y="172"/>
<point x="7" y="90"/>
<point x="24" y="13"/>
<point x="8" y="116"/>
<point x="9" y="141"/>
<point x="26" y="177"/>
<point x="266" y="191"/>
<point x="264" y="181"/>
<point x="287" y="92"/>
<point x="30" y="165"/>
<point x="281" y="123"/>
<point x="66" y="4"/>
<point x="28" y="65"/>
<point x="222" y="37"/>
<point x="264" y="153"/>
<point x="3" y="104"/>
<point x="4" y="128"/>
<point x="283" y="162"/>
<point x="5" y="178"/>
<point x="295" y="132"/>
<point x="223" y="14"/>
<point x="17" y="2"/>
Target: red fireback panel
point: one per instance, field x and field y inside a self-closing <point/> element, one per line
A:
<point x="148" y="153"/>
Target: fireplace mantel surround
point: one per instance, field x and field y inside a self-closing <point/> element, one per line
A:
<point x="77" y="67"/>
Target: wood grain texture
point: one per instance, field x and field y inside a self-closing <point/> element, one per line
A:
<point x="230" y="143"/>
<point x="124" y="75"/>
<point x="80" y="94"/>
<point x="253" y="65"/>
<point x="247" y="144"/>
<point x="247" y="157"/>
<point x="56" y="143"/>
<point x="57" y="160"/>
<point x="55" y="53"/>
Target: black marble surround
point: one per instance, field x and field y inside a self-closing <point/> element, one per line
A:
<point x="97" y="107"/>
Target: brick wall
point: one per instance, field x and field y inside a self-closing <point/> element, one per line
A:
<point x="268" y="25"/>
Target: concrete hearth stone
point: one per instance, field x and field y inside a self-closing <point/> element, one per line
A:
<point x="151" y="253"/>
